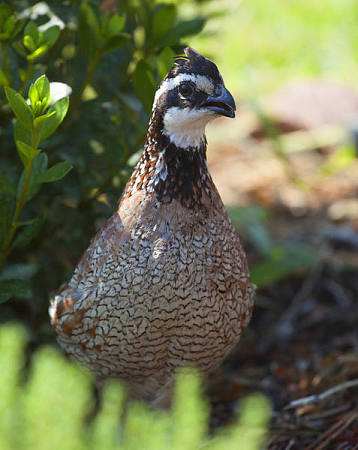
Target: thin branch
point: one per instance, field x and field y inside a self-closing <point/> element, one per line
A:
<point x="333" y="432"/>
<point x="316" y="398"/>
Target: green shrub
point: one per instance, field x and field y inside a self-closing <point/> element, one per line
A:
<point x="112" y="54"/>
<point x="46" y="412"/>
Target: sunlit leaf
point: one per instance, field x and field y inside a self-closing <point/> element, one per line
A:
<point x="20" y="108"/>
<point x="40" y="91"/>
<point x="115" y="25"/>
<point x="29" y="43"/>
<point x="32" y="30"/>
<point x="52" y="121"/>
<point x="38" y="53"/>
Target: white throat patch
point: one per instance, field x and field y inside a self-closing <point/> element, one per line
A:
<point x="185" y="127"/>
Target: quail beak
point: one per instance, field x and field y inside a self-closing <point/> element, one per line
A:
<point x="222" y="104"/>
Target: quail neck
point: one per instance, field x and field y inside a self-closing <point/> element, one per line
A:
<point x="173" y="164"/>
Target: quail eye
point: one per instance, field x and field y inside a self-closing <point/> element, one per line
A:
<point x="186" y="90"/>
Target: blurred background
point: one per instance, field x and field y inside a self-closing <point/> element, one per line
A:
<point x="286" y="168"/>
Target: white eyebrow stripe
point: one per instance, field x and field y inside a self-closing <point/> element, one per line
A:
<point x="201" y="81"/>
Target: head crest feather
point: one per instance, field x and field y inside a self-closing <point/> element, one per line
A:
<point x="190" y="61"/>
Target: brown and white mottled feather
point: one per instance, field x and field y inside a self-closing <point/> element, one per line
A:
<point x="165" y="282"/>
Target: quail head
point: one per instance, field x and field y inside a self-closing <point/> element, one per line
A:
<point x="164" y="283"/>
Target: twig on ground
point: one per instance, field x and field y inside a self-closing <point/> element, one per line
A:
<point x="333" y="432"/>
<point x="285" y="326"/>
<point x="316" y="398"/>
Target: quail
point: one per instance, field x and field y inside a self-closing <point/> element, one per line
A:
<point x="165" y="282"/>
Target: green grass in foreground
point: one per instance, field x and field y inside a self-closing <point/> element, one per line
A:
<point x="258" y="44"/>
<point x="46" y="412"/>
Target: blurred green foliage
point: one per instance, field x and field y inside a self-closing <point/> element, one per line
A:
<point x="47" y="410"/>
<point x="276" y="259"/>
<point x="259" y="45"/>
<point x="112" y="54"/>
<point x="263" y="43"/>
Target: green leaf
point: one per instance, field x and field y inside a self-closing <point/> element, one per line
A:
<point x="29" y="43"/>
<point x="9" y="25"/>
<point x="26" y="152"/>
<point x="18" y="27"/>
<point x="5" y="12"/>
<point x="116" y="42"/>
<point x="282" y="262"/>
<point x="40" y="121"/>
<point x="52" y="121"/>
<point x="89" y="30"/>
<point x="20" y="108"/>
<point x="33" y="95"/>
<point x="39" y="166"/>
<point x="61" y="107"/>
<point x="56" y="172"/>
<point x="32" y="31"/>
<point x="6" y="186"/>
<point x="115" y="25"/>
<point x="50" y="35"/>
<point x="252" y="221"/>
<point x="163" y="20"/>
<point x="7" y="208"/>
<point x="143" y="83"/>
<point x="40" y="91"/>
<point x="22" y="134"/>
<point x="4" y="80"/>
<point x="38" y="53"/>
<point x="28" y="233"/>
<point x="183" y="29"/>
<point x="14" y="288"/>
<point x="40" y="105"/>
<point x="165" y="61"/>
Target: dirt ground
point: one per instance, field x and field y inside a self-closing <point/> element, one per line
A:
<point x="301" y="348"/>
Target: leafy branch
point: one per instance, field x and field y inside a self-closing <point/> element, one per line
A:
<point x="36" y="120"/>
